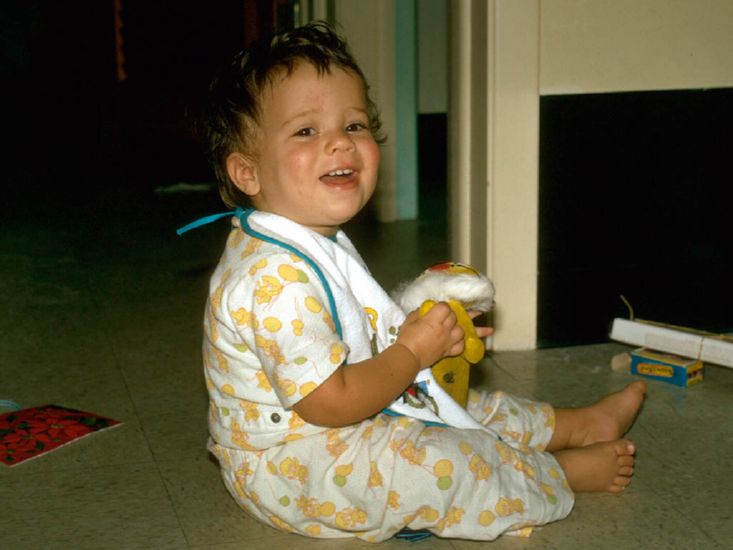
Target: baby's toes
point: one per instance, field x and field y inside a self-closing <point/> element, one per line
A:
<point x="622" y="481"/>
<point x="626" y="471"/>
<point x="624" y="448"/>
<point x="625" y="460"/>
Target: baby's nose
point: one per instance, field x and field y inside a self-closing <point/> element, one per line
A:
<point x="340" y="141"/>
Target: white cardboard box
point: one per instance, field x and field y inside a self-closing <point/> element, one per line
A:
<point x="695" y="344"/>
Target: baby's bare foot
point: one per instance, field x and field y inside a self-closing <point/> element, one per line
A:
<point x="606" y="420"/>
<point x="611" y="417"/>
<point x="601" y="467"/>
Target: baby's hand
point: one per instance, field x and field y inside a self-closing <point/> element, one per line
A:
<point x="432" y="336"/>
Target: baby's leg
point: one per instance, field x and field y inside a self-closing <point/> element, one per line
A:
<point x="605" y="466"/>
<point x="604" y="421"/>
<point x="522" y="423"/>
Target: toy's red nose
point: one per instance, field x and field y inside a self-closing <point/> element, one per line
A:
<point x="454" y="268"/>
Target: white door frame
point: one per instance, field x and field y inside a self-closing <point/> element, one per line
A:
<point x="494" y="155"/>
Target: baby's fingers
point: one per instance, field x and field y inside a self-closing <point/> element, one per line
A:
<point x="440" y="313"/>
<point x="457" y="343"/>
<point x="483" y="332"/>
<point x="412" y="317"/>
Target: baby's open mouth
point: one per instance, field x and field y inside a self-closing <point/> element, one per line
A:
<point x="340" y="176"/>
<point x="346" y="172"/>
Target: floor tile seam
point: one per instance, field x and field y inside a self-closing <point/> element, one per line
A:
<point x="170" y="498"/>
<point x="493" y="362"/>
<point x="121" y="371"/>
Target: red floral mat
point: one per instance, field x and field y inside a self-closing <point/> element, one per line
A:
<point x="30" y="433"/>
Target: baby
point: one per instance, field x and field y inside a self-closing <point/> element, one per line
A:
<point x="303" y="350"/>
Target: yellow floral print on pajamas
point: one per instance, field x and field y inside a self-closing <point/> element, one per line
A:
<point x="269" y="341"/>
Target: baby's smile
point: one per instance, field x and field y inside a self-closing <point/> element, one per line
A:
<point x="340" y="177"/>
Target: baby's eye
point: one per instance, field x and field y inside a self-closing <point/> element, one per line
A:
<point x="356" y="127"/>
<point x="305" y="132"/>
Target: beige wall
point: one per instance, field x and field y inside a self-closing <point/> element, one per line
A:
<point x="632" y="45"/>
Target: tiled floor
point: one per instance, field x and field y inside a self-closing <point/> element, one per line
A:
<point x="102" y="307"/>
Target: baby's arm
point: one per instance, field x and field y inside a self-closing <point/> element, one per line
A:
<point x="357" y="391"/>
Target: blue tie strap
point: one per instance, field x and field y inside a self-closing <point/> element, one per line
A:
<point x="205" y="221"/>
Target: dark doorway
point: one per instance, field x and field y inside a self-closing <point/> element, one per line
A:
<point x="635" y="201"/>
<point x="432" y="131"/>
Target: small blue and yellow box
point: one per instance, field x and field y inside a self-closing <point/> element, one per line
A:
<point x="666" y="367"/>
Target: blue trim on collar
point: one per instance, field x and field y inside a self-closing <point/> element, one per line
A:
<point x="244" y="215"/>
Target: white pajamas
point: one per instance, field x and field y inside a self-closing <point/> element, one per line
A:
<point x="270" y="340"/>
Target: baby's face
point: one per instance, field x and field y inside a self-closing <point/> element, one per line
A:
<point x="317" y="160"/>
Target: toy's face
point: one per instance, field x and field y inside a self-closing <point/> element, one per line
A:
<point x="454" y="268"/>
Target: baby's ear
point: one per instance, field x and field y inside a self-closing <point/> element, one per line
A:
<point x="243" y="173"/>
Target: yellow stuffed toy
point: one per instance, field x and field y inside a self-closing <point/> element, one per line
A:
<point x="463" y="289"/>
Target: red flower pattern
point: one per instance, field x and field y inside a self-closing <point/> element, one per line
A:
<point x="31" y="432"/>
